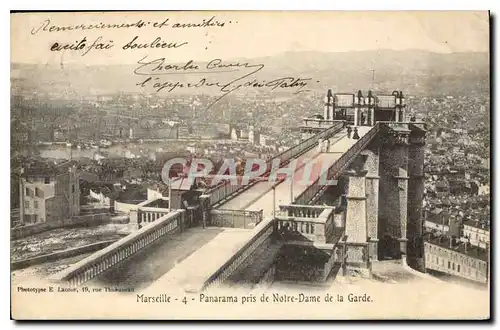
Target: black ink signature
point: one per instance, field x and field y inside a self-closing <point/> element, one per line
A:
<point x="159" y="67"/>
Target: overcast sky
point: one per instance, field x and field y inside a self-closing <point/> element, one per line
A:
<point x="251" y="34"/>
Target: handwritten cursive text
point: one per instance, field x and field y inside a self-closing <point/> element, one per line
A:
<point x="210" y="74"/>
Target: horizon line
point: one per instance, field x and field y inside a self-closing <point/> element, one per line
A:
<point x="276" y="55"/>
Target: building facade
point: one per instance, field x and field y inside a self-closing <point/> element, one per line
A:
<point x="49" y="193"/>
<point x="431" y="225"/>
<point x="478" y="235"/>
<point x="462" y="260"/>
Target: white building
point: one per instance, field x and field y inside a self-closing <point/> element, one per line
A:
<point x="49" y="193"/>
<point x="234" y="135"/>
<point x="478" y="235"/>
<point x="251" y="135"/>
<point x="434" y="226"/>
<point x="458" y="260"/>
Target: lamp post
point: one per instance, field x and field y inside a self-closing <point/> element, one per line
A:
<point x="359" y="101"/>
<point x="398" y="105"/>
<point x="371" y="107"/>
<point x="331" y="105"/>
<point x="328" y="104"/>
<point x="325" y="111"/>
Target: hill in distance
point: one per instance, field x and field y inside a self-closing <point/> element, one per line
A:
<point x="417" y="71"/>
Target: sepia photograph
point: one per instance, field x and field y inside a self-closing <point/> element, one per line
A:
<point x="250" y="165"/>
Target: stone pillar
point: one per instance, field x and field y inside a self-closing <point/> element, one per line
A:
<point x="394" y="198"/>
<point x="318" y="229"/>
<point x="372" y="116"/>
<point x="403" y="212"/>
<point x="134" y="220"/>
<point x="416" y="196"/>
<point x="326" y="113"/>
<point x="356" y="110"/>
<point x="356" y="207"/>
<point x="356" y="229"/>
<point x="372" y="193"/>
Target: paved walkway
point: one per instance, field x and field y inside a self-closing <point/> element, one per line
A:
<point x="149" y="265"/>
<point x="189" y="274"/>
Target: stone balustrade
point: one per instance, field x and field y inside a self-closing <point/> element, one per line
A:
<point x="239" y="257"/>
<point x="147" y="215"/>
<point x="99" y="262"/>
<point x="315" y="223"/>
<point x="323" y="123"/>
<point x="303" y="211"/>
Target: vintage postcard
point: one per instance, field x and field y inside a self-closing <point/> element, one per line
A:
<point x="250" y="165"/>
